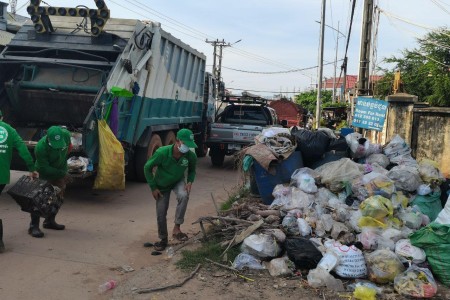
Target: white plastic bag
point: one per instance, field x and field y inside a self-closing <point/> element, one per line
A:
<point x="444" y="215"/>
<point x="410" y="252"/>
<point x="261" y="245"/>
<point x="351" y="260"/>
<point x="303" y="227"/>
<point x="245" y="260"/>
<point x="406" y="178"/>
<point x="278" y="267"/>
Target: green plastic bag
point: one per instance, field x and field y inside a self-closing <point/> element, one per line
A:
<point x="434" y="239"/>
<point x="430" y="204"/>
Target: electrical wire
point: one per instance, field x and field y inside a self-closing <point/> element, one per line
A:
<point x="440" y="6"/>
<point x="277" y="72"/>
<point x="254" y="91"/>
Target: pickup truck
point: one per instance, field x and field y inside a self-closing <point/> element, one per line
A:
<point x="237" y="125"/>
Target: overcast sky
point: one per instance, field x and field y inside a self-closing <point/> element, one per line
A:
<point x="277" y="36"/>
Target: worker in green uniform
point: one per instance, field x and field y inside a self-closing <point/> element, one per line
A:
<point x="171" y="164"/>
<point x="51" y="162"/>
<point x="9" y="139"/>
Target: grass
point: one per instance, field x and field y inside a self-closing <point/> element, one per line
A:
<point x="210" y="249"/>
<point x="242" y="192"/>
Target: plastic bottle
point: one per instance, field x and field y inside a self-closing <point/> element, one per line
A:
<point x="109" y="285"/>
<point x="169" y="253"/>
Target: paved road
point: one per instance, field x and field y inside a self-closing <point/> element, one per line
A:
<point x="104" y="230"/>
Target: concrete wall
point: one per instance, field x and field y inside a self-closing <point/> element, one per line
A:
<point x="425" y="129"/>
<point x="431" y="136"/>
<point x="399" y="118"/>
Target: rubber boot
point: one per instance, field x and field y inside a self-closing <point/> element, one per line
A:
<point x="50" y="223"/>
<point x="34" y="230"/>
<point x="2" y="246"/>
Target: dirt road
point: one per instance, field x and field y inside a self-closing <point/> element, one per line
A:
<point x="104" y="230"/>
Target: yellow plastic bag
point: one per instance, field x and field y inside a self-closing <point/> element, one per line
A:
<point x="365" y="293"/>
<point x="377" y="207"/>
<point x="111" y="167"/>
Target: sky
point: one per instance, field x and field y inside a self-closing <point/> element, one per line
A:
<point x="280" y="36"/>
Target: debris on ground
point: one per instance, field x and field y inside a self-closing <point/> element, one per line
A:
<point x="373" y="214"/>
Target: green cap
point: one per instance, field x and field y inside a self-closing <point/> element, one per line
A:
<point x="187" y="137"/>
<point x="55" y="137"/>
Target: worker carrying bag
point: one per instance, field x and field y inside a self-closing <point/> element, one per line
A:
<point x="36" y="196"/>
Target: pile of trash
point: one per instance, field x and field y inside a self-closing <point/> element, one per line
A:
<point x="376" y="217"/>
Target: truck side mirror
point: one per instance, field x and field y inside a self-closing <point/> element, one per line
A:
<point x="284" y="123"/>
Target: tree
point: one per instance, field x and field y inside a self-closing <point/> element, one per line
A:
<point x="308" y="99"/>
<point x="425" y="71"/>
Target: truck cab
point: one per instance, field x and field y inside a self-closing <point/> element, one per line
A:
<point x="237" y="125"/>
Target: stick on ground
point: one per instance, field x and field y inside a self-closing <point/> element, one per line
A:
<point x="151" y="290"/>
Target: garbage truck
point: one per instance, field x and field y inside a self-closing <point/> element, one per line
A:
<point x="58" y="70"/>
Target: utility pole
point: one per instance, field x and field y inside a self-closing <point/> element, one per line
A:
<point x="364" y="55"/>
<point x="319" y="79"/>
<point x="13" y="4"/>
<point x="333" y="100"/>
<point x="217" y="63"/>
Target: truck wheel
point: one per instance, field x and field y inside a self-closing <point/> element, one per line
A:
<point x="143" y="154"/>
<point x="169" y="138"/>
<point x="217" y="156"/>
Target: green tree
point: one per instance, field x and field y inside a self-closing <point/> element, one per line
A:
<point x="308" y="99"/>
<point x="425" y="70"/>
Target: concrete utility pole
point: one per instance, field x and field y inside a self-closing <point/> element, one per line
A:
<point x="364" y="55"/>
<point x="217" y="63"/>
<point x="319" y="79"/>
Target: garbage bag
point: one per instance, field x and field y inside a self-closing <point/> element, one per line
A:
<point x="444" y="215"/>
<point x="434" y="239"/>
<point x="379" y="158"/>
<point x="405" y="177"/>
<point x="373" y="184"/>
<point x="383" y="266"/>
<point x="365" y="293"/>
<point x="429" y="171"/>
<point x="111" y="167"/>
<point x="335" y="175"/>
<point x="411" y="218"/>
<point x="416" y="282"/>
<point x="278" y="267"/>
<point x="312" y="144"/>
<point x="351" y="260"/>
<point x="245" y="260"/>
<point x="290" y="225"/>
<point x="410" y="252"/>
<point x="376" y="207"/>
<point x="320" y="277"/>
<point x="261" y="245"/>
<point x="430" y="204"/>
<point x="303" y="253"/>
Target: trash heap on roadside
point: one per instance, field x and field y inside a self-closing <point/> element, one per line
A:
<point x="375" y="216"/>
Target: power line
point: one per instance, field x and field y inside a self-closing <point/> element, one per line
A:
<point x="277" y="92"/>
<point x="277" y="72"/>
<point x="440" y="6"/>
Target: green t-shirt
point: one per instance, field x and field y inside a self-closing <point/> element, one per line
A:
<point x="51" y="163"/>
<point x="169" y="170"/>
<point x="9" y="139"/>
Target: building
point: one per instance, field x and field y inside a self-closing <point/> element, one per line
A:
<point x="350" y="86"/>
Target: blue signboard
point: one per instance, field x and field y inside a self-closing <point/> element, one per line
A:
<point x="370" y="113"/>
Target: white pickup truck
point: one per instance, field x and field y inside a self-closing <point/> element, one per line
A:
<point x="237" y="125"/>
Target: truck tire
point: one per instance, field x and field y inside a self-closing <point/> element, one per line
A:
<point x="217" y="156"/>
<point x="169" y="138"/>
<point x="143" y="154"/>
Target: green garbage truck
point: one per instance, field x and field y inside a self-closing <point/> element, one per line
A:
<point x="62" y="67"/>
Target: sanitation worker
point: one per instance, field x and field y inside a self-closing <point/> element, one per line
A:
<point x="171" y="164"/>
<point x="51" y="162"/>
<point x="9" y="139"/>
